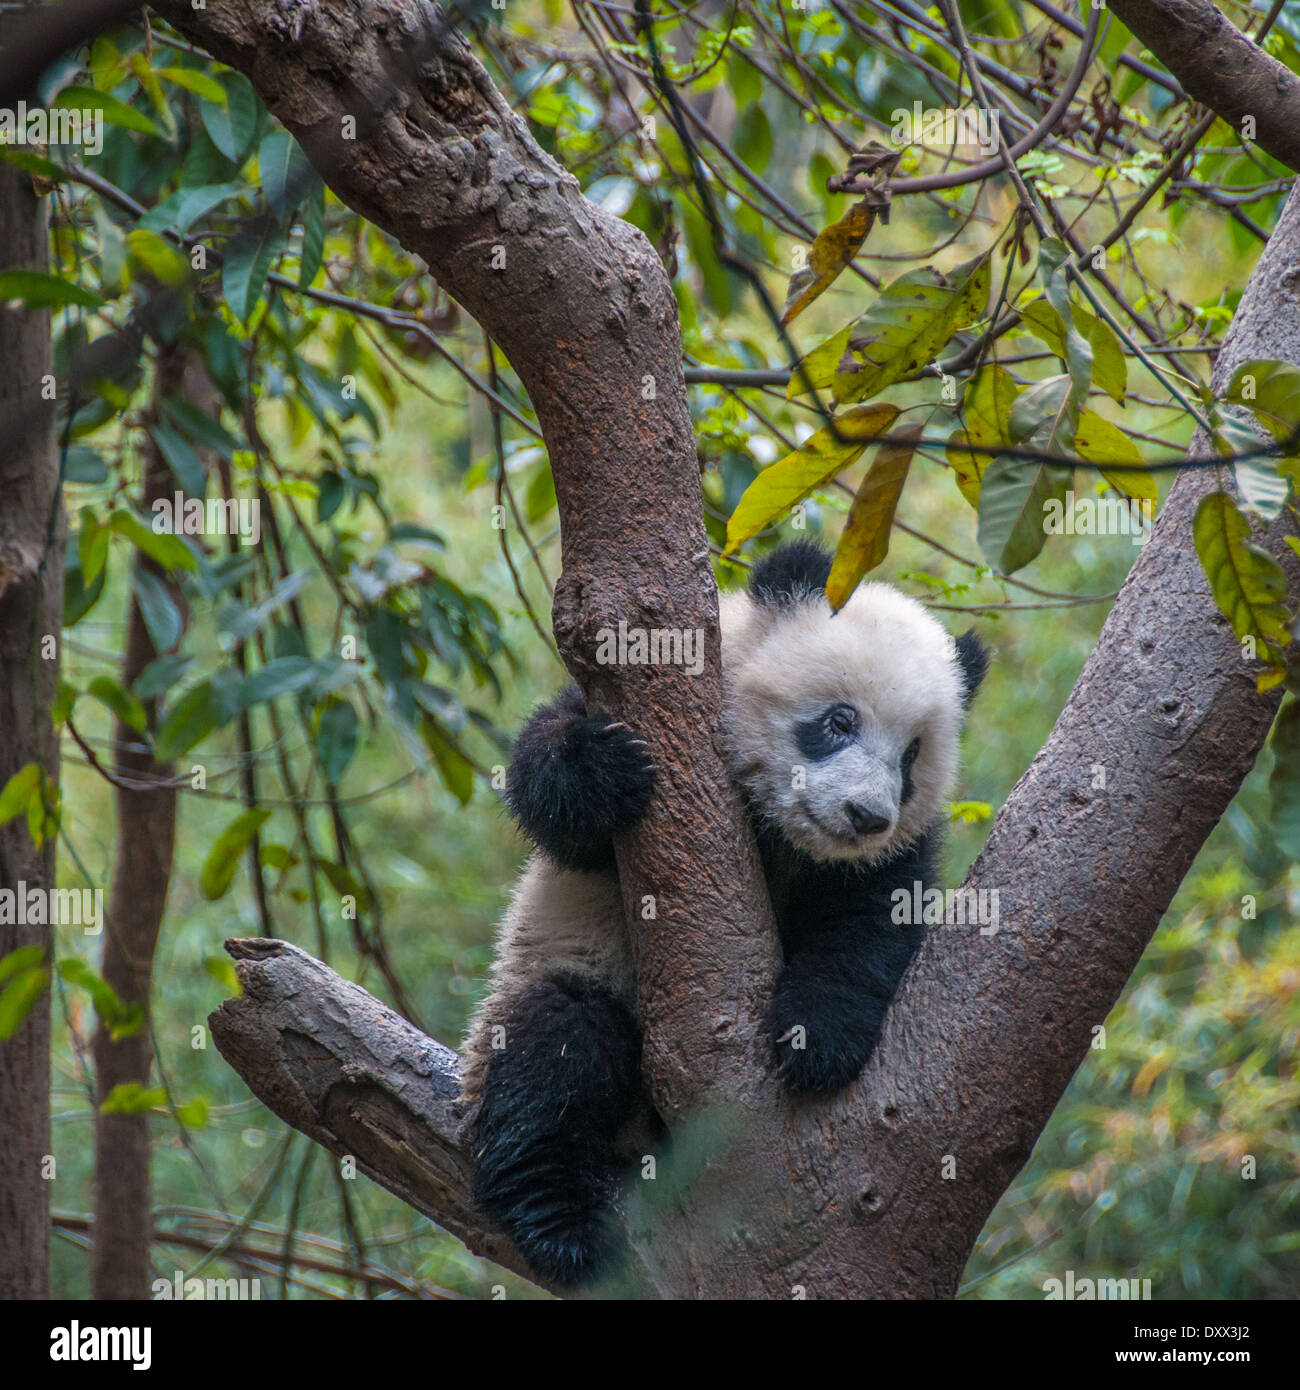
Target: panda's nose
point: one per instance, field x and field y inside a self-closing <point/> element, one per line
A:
<point x="864" y="820"/>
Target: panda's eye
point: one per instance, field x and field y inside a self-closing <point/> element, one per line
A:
<point x="842" y="719"/>
<point x="910" y="753"/>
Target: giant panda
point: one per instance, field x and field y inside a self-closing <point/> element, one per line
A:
<point x="841" y="732"/>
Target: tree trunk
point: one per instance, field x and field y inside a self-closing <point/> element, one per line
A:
<point x="146" y="833"/>
<point x="31" y="607"/>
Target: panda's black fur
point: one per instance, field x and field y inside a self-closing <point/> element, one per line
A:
<point x="864" y="707"/>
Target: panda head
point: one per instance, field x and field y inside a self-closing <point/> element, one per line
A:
<point x="842" y="729"/>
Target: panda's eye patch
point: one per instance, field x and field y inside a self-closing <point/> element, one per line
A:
<point x="910" y="753"/>
<point x="828" y="732"/>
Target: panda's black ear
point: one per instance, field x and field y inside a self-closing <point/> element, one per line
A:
<point x="792" y="573"/>
<point x="973" y="659"/>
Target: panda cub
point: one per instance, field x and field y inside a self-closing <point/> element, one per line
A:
<point x="841" y="733"/>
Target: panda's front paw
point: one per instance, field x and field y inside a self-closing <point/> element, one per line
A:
<point x="615" y="764"/>
<point x="814" y="1052"/>
<point x="575" y="781"/>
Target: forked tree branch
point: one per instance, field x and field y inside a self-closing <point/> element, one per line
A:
<point x="851" y="1197"/>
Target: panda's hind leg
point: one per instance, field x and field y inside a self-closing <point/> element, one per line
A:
<point x="576" y="778"/>
<point x="556" y="1093"/>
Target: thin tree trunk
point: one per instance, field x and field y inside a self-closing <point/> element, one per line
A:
<point x="146" y="834"/>
<point x="31" y="606"/>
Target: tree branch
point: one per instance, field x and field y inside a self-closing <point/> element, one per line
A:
<point x="1221" y="67"/>
<point x="332" y="1061"/>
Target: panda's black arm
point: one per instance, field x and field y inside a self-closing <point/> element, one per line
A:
<point x="574" y="779"/>
<point x="844" y="961"/>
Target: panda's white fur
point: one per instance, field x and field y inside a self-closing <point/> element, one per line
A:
<point x="558" y="920"/>
<point x="882" y="653"/>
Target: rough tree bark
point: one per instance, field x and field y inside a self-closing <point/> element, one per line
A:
<point x="31" y="607"/>
<point x="843" y="1198"/>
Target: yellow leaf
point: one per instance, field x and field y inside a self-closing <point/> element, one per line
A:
<point x="1099" y="441"/>
<point x="789" y="480"/>
<point x="865" y="541"/>
<point x="834" y="247"/>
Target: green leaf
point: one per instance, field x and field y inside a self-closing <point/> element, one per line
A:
<point x="1272" y="390"/>
<point x="821" y="456"/>
<point x="180" y="457"/>
<point x="83" y="464"/>
<point x="329" y="495"/>
<point x="180" y="210"/>
<point x="1052" y="256"/>
<point x="115" y="112"/>
<point x="990" y="395"/>
<point x="24" y="958"/>
<point x="188" y="722"/>
<point x="193" y="1114"/>
<point x="754" y="137"/>
<point x="131" y="1098"/>
<point x="219" y="867"/>
<point x="865" y="540"/>
<point x="283" y="676"/>
<point x="1284" y="780"/>
<point x="18" y="997"/>
<point x="456" y="771"/>
<point x="248" y="260"/>
<point x="539" y="499"/>
<point x="170" y="551"/>
<point x="336" y="739"/>
<point x="62" y="705"/>
<point x="127" y="707"/>
<point x="1109" y="367"/>
<point x="122" y="1019"/>
<point x="150" y="252"/>
<point x="1247" y="582"/>
<point x="905" y="329"/>
<point x="1015" y="492"/>
<point x="232" y="124"/>
<point x="818" y="367"/>
<point x="1098" y="441"/>
<point x="194" y="81"/>
<point x="312" y="251"/>
<point x="343" y="882"/>
<point x="201" y="428"/>
<point x="276" y="857"/>
<point x="35" y="290"/>
<point x="239" y="623"/>
<point x="285" y="172"/>
<point x="78" y="597"/>
<point x="22" y="158"/>
<point x="161" y="616"/>
<point x="222" y="969"/>
<point x="18" y="791"/>
<point x="160" y="675"/>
